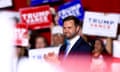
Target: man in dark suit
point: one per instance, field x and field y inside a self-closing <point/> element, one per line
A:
<point x="75" y="53"/>
<point x="78" y="46"/>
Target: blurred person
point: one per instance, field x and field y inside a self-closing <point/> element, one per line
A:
<point x="57" y="39"/>
<point x="55" y="19"/>
<point x="118" y="35"/>
<point x="116" y="58"/>
<point x="57" y="36"/>
<point x="21" y="55"/>
<point x="56" y="31"/>
<point x="21" y="52"/>
<point x="40" y="42"/>
<point x="100" y="48"/>
<point x="101" y="56"/>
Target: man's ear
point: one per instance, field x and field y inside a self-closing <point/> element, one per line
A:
<point x="78" y="28"/>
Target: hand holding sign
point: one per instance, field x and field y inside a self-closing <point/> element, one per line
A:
<point x="52" y="58"/>
<point x="44" y="53"/>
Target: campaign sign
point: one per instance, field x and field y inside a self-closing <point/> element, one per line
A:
<point x="39" y="53"/>
<point x="38" y="2"/>
<point x="21" y="35"/>
<point x="100" y="24"/>
<point x="116" y="48"/>
<point x="119" y="18"/>
<point x="71" y="8"/>
<point x="36" y="17"/>
<point x="5" y="3"/>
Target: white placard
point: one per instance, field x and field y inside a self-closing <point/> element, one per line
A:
<point x="5" y="3"/>
<point x="119" y="19"/>
<point x="100" y="24"/>
<point x="39" y="53"/>
<point x="116" y="48"/>
<point x="21" y="36"/>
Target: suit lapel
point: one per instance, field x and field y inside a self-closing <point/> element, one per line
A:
<point x="75" y="46"/>
<point x="62" y="49"/>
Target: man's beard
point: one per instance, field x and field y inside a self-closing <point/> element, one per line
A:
<point x="72" y="36"/>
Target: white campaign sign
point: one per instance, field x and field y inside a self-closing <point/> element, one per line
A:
<point x="100" y="24"/>
<point x="5" y="3"/>
<point x="116" y="48"/>
<point x="119" y="18"/>
<point x="39" y="53"/>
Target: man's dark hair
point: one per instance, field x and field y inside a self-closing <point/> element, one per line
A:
<point x="75" y="19"/>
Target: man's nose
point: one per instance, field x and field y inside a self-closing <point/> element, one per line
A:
<point x="66" y="30"/>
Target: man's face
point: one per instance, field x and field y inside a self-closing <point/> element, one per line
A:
<point x="69" y="29"/>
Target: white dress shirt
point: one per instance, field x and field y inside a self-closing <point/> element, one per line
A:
<point x="72" y="42"/>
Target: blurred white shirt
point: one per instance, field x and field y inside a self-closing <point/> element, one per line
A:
<point x="30" y="65"/>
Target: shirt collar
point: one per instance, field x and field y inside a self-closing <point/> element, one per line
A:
<point x="71" y="43"/>
<point x="73" y="40"/>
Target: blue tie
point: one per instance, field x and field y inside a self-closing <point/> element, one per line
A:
<point x="67" y="47"/>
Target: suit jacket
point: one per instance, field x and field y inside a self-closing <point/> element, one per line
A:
<point x="79" y="57"/>
<point x="79" y="48"/>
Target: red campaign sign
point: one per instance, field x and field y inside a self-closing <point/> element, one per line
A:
<point x="21" y="35"/>
<point x="36" y="17"/>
